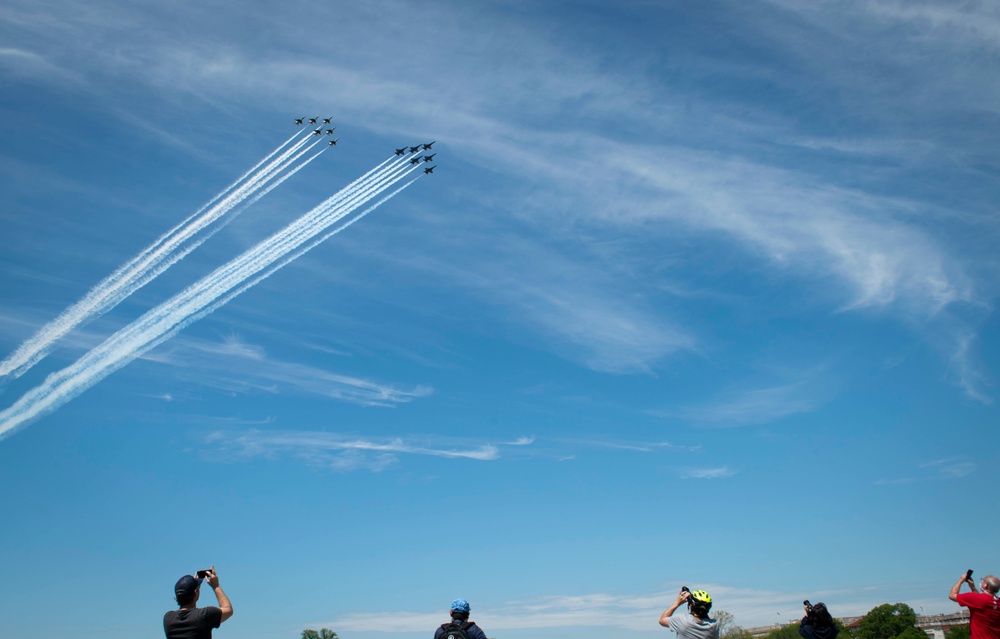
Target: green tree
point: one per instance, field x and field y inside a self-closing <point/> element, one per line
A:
<point x="791" y="631"/>
<point x="323" y="633"/>
<point x="889" y="621"/>
<point x="957" y="632"/>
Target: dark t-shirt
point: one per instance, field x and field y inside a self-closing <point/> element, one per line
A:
<point x="192" y="623"/>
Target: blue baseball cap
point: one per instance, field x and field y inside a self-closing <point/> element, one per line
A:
<point x="460" y="605"/>
<point x="185" y="586"/>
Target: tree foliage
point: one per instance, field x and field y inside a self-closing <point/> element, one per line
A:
<point x="957" y="632"/>
<point x="889" y="621"/>
<point x="322" y="633"/>
<point x="791" y="631"/>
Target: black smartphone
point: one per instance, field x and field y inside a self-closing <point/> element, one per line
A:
<point x="203" y="574"/>
<point x="968" y="575"/>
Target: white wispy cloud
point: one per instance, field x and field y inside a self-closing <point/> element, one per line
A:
<point x="951" y="467"/>
<point x="236" y="365"/>
<point x="349" y="452"/>
<point x="634" y="446"/>
<point x="751" y="407"/>
<point x="718" y="472"/>
<point x="944" y="469"/>
<point x="342" y="452"/>
<point x="33" y="67"/>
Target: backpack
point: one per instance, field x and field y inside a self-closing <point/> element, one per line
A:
<point x="455" y="629"/>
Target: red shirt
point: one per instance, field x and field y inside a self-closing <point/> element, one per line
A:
<point x="984" y="613"/>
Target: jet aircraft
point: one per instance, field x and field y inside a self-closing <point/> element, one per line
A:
<point x="427" y="158"/>
<point x="299" y="121"/>
<point x="414" y="149"/>
<point x="330" y="131"/>
<point x="431" y="169"/>
<point x="334" y="142"/>
<point x="401" y="151"/>
<point x="317" y="131"/>
<point x="428" y="145"/>
<point x="416" y="160"/>
<point x="327" y="121"/>
<point x="313" y="120"/>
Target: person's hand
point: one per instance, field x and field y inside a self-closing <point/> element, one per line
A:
<point x="683" y="596"/>
<point x="213" y="577"/>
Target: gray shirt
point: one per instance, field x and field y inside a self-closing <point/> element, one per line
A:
<point x="688" y="626"/>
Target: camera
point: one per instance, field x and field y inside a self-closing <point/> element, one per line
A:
<point x="968" y="575"/>
<point x="203" y="574"/>
<point x="808" y="605"/>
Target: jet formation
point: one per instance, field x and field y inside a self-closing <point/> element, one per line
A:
<point x="426" y="146"/>
<point x="301" y="121"/>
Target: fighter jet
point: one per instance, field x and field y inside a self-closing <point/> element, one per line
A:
<point x="431" y="169"/>
<point x="327" y="121"/>
<point x="317" y="131"/>
<point x="299" y="121"/>
<point x="334" y="142"/>
<point x="428" y="145"/>
<point x="416" y="160"/>
<point x="330" y="131"/>
<point x="427" y="158"/>
<point x="414" y="149"/>
<point x="401" y="151"/>
<point x="313" y="120"/>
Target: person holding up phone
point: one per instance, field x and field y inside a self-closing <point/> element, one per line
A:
<point x="189" y="621"/>
<point x="984" y="607"/>
<point x="696" y="624"/>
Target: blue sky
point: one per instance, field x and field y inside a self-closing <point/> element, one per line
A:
<point x="700" y="294"/>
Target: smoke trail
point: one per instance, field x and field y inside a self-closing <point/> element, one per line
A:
<point x="246" y="285"/>
<point x="150" y="262"/>
<point x="201" y="298"/>
<point x="181" y="254"/>
<point x="236" y="193"/>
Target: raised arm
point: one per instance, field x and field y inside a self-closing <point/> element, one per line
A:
<point x="953" y="595"/>
<point x="224" y="605"/>
<point x="681" y="598"/>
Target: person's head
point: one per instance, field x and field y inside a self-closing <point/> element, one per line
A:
<point x="699" y="603"/>
<point x="460" y="609"/>
<point x="991" y="584"/>
<point x="186" y="590"/>
<point x="820" y="616"/>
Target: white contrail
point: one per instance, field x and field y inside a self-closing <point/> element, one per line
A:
<point x="275" y="267"/>
<point x="215" y="199"/>
<point x="233" y="194"/>
<point x="246" y="202"/>
<point x="151" y="261"/>
<point x="201" y="298"/>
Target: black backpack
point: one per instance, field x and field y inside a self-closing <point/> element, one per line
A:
<point x="455" y="629"/>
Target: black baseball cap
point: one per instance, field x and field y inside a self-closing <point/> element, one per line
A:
<point x="185" y="586"/>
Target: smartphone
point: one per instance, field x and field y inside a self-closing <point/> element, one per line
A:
<point x="203" y="574"/>
<point x="968" y="575"/>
